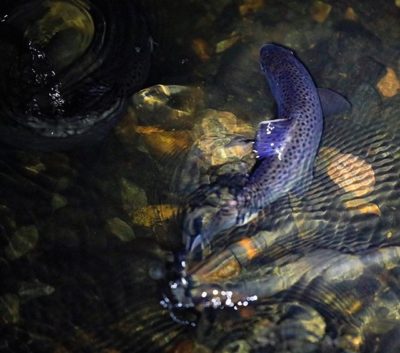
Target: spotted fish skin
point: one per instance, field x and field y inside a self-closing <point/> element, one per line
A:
<point x="286" y="149"/>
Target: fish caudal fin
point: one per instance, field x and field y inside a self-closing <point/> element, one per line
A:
<point x="270" y="138"/>
<point x="332" y="103"/>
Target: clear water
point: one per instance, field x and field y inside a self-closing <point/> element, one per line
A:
<point x="88" y="236"/>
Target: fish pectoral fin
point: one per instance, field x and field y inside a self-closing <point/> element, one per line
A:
<point x="271" y="136"/>
<point x="332" y="103"/>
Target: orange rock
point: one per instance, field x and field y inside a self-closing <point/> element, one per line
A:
<point x="351" y="173"/>
<point x="350" y="342"/>
<point x="185" y="346"/>
<point x="221" y="155"/>
<point x="201" y="49"/>
<point x="354" y="307"/>
<point x="363" y="207"/>
<point x="247" y="312"/>
<point x="250" y="248"/>
<point x="164" y="143"/>
<point x="145" y="130"/>
<point x="150" y="215"/>
<point x="350" y="14"/>
<point x="251" y="6"/>
<point x="226" y="44"/>
<point x="320" y="11"/>
<point x="389" y="85"/>
<point x="219" y="267"/>
<point x="217" y="122"/>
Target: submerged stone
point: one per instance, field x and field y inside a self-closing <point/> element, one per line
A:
<point x="162" y="143"/>
<point x="150" y="215"/>
<point x="132" y="195"/>
<point x="9" y="309"/>
<point x="120" y="229"/>
<point x="58" y="201"/>
<point x="222" y="143"/>
<point x="34" y="289"/>
<point x="389" y="84"/>
<point x="22" y="242"/>
<point x="351" y="173"/>
<point x="169" y="107"/>
<point x="251" y="6"/>
<point x="350" y="14"/>
<point x="202" y="49"/>
<point x="320" y="11"/>
<point x="226" y="43"/>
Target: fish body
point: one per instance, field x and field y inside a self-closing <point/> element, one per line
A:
<point x="285" y="148"/>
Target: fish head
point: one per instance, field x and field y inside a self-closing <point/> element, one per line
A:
<point x="275" y="63"/>
<point x="272" y="56"/>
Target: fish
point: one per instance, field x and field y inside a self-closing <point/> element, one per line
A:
<point x="285" y="149"/>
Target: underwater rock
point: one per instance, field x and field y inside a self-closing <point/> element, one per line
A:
<point x="120" y="229"/>
<point x="152" y="138"/>
<point x="22" y="242"/>
<point x="350" y="14"/>
<point x="202" y="49"/>
<point x="389" y="84"/>
<point x="168" y="107"/>
<point x="36" y="168"/>
<point x="151" y="215"/>
<point x="9" y="309"/>
<point x="66" y="69"/>
<point x="227" y="43"/>
<point x="362" y="206"/>
<point x="251" y="6"/>
<point x="185" y="346"/>
<point x="216" y="135"/>
<point x="132" y="195"/>
<point x="161" y="143"/>
<point x="220" y="145"/>
<point x="34" y="289"/>
<point x="349" y="172"/>
<point x="219" y="123"/>
<point x="320" y="11"/>
<point x="58" y="201"/>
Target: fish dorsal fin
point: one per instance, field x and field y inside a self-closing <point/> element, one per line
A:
<point x="271" y="136"/>
<point x="332" y="103"/>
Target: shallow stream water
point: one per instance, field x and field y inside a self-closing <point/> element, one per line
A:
<point x="88" y="236"/>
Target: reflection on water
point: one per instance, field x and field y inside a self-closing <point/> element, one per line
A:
<point x="88" y="237"/>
